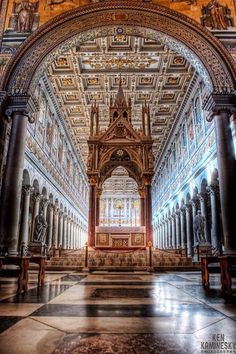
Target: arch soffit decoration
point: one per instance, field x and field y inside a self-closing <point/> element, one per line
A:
<point x="110" y="168"/>
<point x="214" y="58"/>
<point x="134" y="157"/>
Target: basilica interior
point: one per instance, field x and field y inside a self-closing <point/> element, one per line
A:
<point x="117" y="176"/>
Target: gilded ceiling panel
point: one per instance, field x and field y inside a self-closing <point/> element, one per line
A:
<point x="90" y="72"/>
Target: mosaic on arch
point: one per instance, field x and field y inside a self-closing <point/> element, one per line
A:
<point x="27" y="15"/>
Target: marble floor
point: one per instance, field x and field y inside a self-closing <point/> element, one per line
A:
<point x="120" y="313"/>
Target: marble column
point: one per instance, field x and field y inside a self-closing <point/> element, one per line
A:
<point x="183" y="227"/>
<point x="148" y="204"/>
<point x="60" y="229"/>
<point x="36" y="198"/>
<point x="227" y="177"/>
<point x="194" y="203"/>
<point x="233" y="120"/>
<point x="50" y="226"/>
<point x="215" y="232"/>
<point x="45" y="203"/>
<point x="166" y="234"/>
<point x="12" y="182"/>
<point x="3" y="136"/>
<point x="25" y="214"/>
<point x="91" y="216"/>
<point x="173" y="230"/>
<point x="72" y="234"/>
<point x="161" y="235"/>
<point x="64" y="239"/>
<point x="142" y="208"/>
<point x="98" y="195"/>
<point x="69" y="233"/>
<point x="203" y="207"/>
<point x="177" y="225"/>
<point x="55" y="226"/>
<point x="74" y="227"/>
<point x="169" y="232"/>
<point x="77" y="236"/>
<point x="189" y="230"/>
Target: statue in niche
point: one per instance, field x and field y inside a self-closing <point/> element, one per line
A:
<point x="199" y="228"/>
<point x="24" y="16"/>
<point x="60" y="153"/>
<point x="68" y="167"/>
<point x="40" y="228"/>
<point x="49" y="134"/>
<point x="216" y="16"/>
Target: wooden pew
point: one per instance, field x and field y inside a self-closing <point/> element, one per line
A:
<point x="40" y="260"/>
<point x="23" y="263"/>
<point x="206" y="268"/>
<point x="228" y="269"/>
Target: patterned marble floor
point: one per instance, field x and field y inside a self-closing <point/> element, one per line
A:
<point x="120" y="313"/>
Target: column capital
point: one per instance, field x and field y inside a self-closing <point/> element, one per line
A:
<point x="56" y="209"/>
<point x="213" y="189"/>
<point x="218" y="103"/>
<point x="61" y="213"/>
<point x="27" y="190"/>
<point x="202" y="196"/>
<point x="37" y="197"/>
<point x="188" y="207"/>
<point x="142" y="193"/>
<point x="45" y="202"/>
<point x="18" y="103"/>
<point x="92" y="180"/>
<point x="50" y="206"/>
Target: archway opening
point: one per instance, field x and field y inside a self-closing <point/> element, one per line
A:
<point x="120" y="200"/>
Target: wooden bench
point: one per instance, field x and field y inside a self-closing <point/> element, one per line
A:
<point x="40" y="260"/>
<point x="22" y="273"/>
<point x="209" y="264"/>
<point x="23" y="263"/>
<point x="228" y="269"/>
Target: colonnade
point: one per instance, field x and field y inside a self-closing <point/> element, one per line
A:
<point x="63" y="229"/>
<point x="175" y="229"/>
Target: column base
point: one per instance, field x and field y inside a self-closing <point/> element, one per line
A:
<point x="13" y="253"/>
<point x="85" y="270"/>
<point x="150" y="269"/>
<point x="229" y="253"/>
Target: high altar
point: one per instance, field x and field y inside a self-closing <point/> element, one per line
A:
<point x="120" y="145"/>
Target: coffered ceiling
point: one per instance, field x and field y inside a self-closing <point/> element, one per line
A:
<point x="150" y="72"/>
